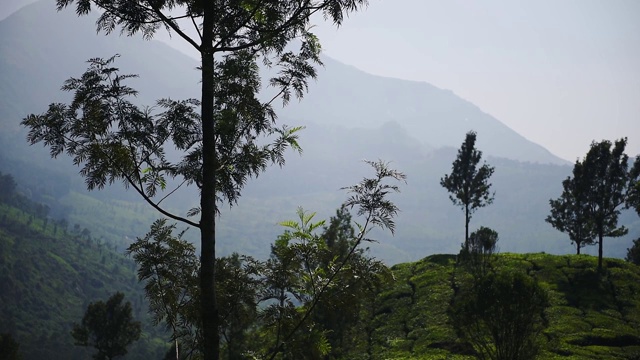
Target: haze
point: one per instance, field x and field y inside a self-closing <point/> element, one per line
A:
<point x="562" y="74"/>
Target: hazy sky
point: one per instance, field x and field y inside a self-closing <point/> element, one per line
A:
<point x="561" y="73"/>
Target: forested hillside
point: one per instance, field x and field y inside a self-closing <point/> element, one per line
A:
<point x="50" y="271"/>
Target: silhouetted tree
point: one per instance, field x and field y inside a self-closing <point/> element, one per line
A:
<point x="633" y="253"/>
<point x="570" y="212"/>
<point x="478" y="256"/>
<point x="468" y="184"/>
<point x="108" y="327"/>
<point x="7" y="187"/>
<point x="633" y="198"/>
<point x="607" y="174"/>
<point x="220" y="142"/>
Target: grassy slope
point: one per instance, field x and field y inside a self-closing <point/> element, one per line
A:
<point x="47" y="280"/>
<point x="590" y="317"/>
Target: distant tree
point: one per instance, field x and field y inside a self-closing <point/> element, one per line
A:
<point x="8" y="187"/>
<point x="468" y="184"/>
<point x="608" y="177"/>
<point x="570" y="212"/>
<point x="482" y="245"/>
<point x="633" y="198"/>
<point x="633" y="253"/>
<point x="108" y="327"/>
<point x="9" y="348"/>
<point x="501" y="315"/>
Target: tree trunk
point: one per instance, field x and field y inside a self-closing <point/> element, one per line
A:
<point x="211" y="337"/>
<point x="600" y="236"/>
<point x="466" y="228"/>
<point x="577" y="248"/>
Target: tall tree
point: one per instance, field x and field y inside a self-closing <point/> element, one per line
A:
<point x="607" y="174"/>
<point x="117" y="141"/>
<point x="468" y="183"/>
<point x="109" y="327"/>
<point x="570" y="212"/>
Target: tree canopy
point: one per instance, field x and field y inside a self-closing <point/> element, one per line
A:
<point x="109" y="327"/>
<point x="602" y="185"/>
<point x="570" y="212"/>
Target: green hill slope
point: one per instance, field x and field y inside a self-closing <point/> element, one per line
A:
<point x="590" y="316"/>
<point x="48" y="276"/>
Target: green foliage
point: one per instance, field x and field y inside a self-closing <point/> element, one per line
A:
<point x="477" y="258"/>
<point x="221" y="149"/>
<point x="468" y="184"/>
<point x="109" y="327"/>
<point x="168" y="267"/>
<point x="602" y="181"/>
<point x="48" y="277"/>
<point x="633" y="253"/>
<point x="570" y="212"/>
<point x="501" y="315"/>
<point x="633" y="198"/>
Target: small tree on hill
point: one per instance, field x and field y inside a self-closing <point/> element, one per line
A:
<point x="570" y="212"/>
<point x="478" y="256"/>
<point x="468" y="184"/>
<point x="501" y="315"/>
<point x="109" y="327"/>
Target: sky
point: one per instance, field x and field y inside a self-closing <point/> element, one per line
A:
<point x="560" y="73"/>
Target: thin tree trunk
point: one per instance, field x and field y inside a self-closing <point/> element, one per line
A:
<point x="466" y="228"/>
<point x="600" y="250"/>
<point x="577" y="248"/>
<point x="211" y="338"/>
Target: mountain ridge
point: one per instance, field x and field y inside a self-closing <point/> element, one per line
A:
<point x="437" y="117"/>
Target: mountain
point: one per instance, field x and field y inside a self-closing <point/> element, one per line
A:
<point x="344" y="95"/>
<point x="10" y="6"/>
<point x="36" y="60"/>
<point x="349" y="115"/>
